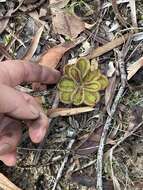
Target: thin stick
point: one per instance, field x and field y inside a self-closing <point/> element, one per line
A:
<point x="40" y="147"/>
<point x="108" y="46"/>
<point x="59" y="175"/>
<point x="109" y="120"/>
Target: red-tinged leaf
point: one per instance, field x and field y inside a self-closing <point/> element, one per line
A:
<point x="52" y="56"/>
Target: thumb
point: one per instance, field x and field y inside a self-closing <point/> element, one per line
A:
<point x="13" y="104"/>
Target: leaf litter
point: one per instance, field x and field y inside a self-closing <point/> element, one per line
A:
<point x="52" y="35"/>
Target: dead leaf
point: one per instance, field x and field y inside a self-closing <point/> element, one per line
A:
<point x="52" y="56"/>
<point x="34" y="44"/>
<point x="89" y="143"/>
<point x="136" y="117"/>
<point x="67" y="24"/>
<point x="110" y="92"/>
<point x="89" y="181"/>
<point x="67" y="111"/>
<point x="6" y="184"/>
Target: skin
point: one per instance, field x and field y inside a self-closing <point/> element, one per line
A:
<point x="16" y="106"/>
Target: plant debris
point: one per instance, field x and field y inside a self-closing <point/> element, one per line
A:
<point x="98" y="146"/>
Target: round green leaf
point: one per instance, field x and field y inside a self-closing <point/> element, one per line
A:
<point x="92" y="76"/>
<point x="78" y="97"/>
<point x="66" y="85"/>
<point x="74" y="73"/>
<point x="84" y="66"/>
<point x="103" y="80"/>
<point x="65" y="97"/>
<point x="92" y="87"/>
<point x="66" y="69"/>
<point x="90" y="98"/>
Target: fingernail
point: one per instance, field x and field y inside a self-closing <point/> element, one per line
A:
<point x="34" y="110"/>
<point x="5" y="148"/>
<point x="41" y="134"/>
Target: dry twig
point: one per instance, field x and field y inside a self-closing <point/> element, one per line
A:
<point x="109" y="120"/>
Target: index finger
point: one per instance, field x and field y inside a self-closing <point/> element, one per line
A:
<point x="14" y="72"/>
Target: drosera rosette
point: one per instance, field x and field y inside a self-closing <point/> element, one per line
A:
<point x="80" y="84"/>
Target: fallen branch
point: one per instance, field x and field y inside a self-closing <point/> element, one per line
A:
<point x="109" y="120"/>
<point x="108" y="47"/>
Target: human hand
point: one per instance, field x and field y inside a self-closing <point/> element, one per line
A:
<point x="16" y="106"/>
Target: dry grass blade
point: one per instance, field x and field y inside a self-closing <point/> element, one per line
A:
<point x="34" y="44"/>
<point x="6" y="184"/>
<point x="4" y="52"/>
<point x="133" y="68"/>
<point x="133" y="13"/>
<point x="52" y="113"/>
<point x="4" y="23"/>
<point x="117" y="13"/>
<point x="108" y="47"/>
